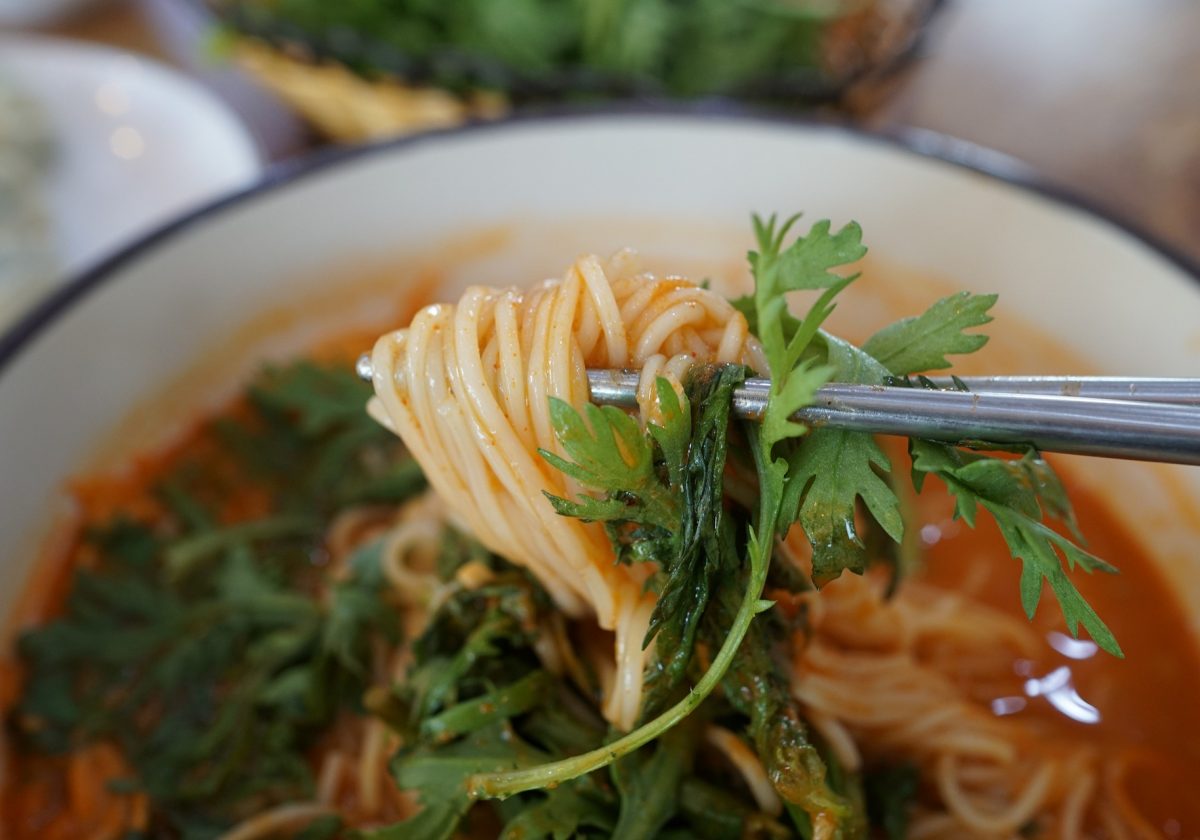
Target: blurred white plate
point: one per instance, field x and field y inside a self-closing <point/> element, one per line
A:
<point x="136" y="143"/>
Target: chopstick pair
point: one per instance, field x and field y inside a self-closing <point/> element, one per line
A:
<point x="1145" y="419"/>
<point x="1142" y="419"/>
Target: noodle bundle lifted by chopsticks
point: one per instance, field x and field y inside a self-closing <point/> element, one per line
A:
<point x="467" y="387"/>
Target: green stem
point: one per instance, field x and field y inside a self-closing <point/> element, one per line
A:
<point x="181" y="556"/>
<point x="502" y="785"/>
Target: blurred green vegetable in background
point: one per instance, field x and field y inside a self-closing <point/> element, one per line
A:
<point x="568" y="48"/>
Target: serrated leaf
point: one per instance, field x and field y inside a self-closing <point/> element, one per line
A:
<point x="675" y="432"/>
<point x="319" y="396"/>
<point x="789" y="324"/>
<point x="610" y="453"/>
<point x="606" y="451"/>
<point x="808" y="262"/>
<point x="922" y="343"/>
<point x="852" y="364"/>
<point x="830" y="471"/>
<point x="590" y="510"/>
<point x="805" y="265"/>
<point x="649" y="784"/>
<point x="1034" y="544"/>
<point x="795" y="377"/>
<point x="565" y="813"/>
<point x="214" y="682"/>
<point x="439" y="775"/>
<point x="687" y="536"/>
<point x="797" y="391"/>
<point x="1018" y="493"/>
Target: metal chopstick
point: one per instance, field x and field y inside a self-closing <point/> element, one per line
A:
<point x="1180" y="391"/>
<point x="1144" y="419"/>
<point x="1038" y="411"/>
<point x="1177" y="390"/>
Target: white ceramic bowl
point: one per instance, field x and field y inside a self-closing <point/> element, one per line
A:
<point x="680" y="187"/>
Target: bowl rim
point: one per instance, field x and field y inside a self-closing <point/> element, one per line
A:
<point x="920" y="143"/>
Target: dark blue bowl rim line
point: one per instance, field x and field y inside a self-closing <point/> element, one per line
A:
<point x="919" y="143"/>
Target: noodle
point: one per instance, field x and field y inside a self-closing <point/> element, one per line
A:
<point x="330" y="778"/>
<point x="467" y="387"/>
<point x="1124" y="811"/>
<point x="748" y="765"/>
<point x="372" y="766"/>
<point x="888" y="701"/>
<point x="271" y="823"/>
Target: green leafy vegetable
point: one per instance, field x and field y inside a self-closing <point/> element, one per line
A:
<point x="195" y="644"/>
<point x="891" y="792"/>
<point x="535" y="48"/>
<point x="915" y="345"/>
<point x="566" y="812"/>
<point x="438" y="774"/>
<point x="836" y="468"/>
<point x="667" y="509"/>
<point x="758" y="688"/>
<point x="787" y="480"/>
<point x="830" y="470"/>
<point x="505" y="784"/>
<point x="212" y="692"/>
<point x="309" y="442"/>
<point x="659" y="466"/>
<point x="318" y="398"/>
<point x="502" y="712"/>
<point x="476" y="713"/>
<point x="610" y="453"/>
<point x="649" y="783"/>
<point x="1018" y="493"/>
<point x="698" y="555"/>
<point x="804" y="265"/>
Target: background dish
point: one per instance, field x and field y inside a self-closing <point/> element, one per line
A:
<point x="544" y="190"/>
<point x="134" y="143"/>
<point x="355" y="74"/>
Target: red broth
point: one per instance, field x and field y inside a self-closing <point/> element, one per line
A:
<point x="1147" y="703"/>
